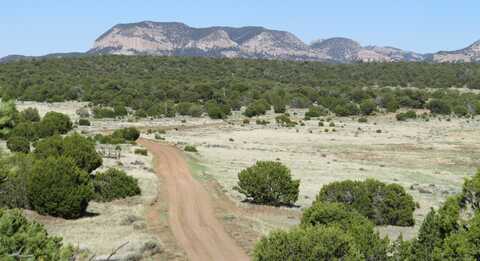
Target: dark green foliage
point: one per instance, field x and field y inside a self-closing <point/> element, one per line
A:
<point x="76" y="147"/>
<point x="114" y="184"/>
<point x="315" y="111"/>
<point x="26" y="130"/>
<point x="84" y="122"/>
<point x="285" y="121"/>
<point x="153" y="85"/>
<point x="103" y="112"/>
<point x="18" y="144"/>
<point x="30" y="114"/>
<point x="54" y="123"/>
<point x="57" y="187"/>
<point x="403" y="116"/>
<point x="381" y="203"/>
<point x="439" y="107"/>
<point x="362" y="120"/>
<point x="215" y="111"/>
<point x="128" y="134"/>
<point x="268" y="182"/>
<point x="259" y="107"/>
<point x="8" y="115"/>
<point x="28" y="239"/>
<point x="143" y="152"/>
<point x="353" y="223"/>
<point x="14" y="172"/>
<point x="317" y="243"/>
<point x="190" y="148"/>
<point x="367" y="107"/>
<point x="346" y="109"/>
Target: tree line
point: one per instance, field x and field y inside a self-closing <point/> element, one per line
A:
<point x="166" y="86"/>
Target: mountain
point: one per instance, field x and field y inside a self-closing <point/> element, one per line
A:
<point x="178" y="39"/>
<point x="469" y="54"/>
<point x="14" y="58"/>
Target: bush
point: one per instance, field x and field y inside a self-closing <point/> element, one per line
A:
<point x="57" y="187"/>
<point x="18" y="144"/>
<point x="315" y="111"/>
<point x="80" y="149"/>
<point x="21" y="237"/>
<point x="268" y="182"/>
<point x="353" y="223"/>
<point x="367" y="107"/>
<point x="84" y="122"/>
<point x="114" y="184"/>
<point x="363" y="120"/>
<point x="190" y="148"/>
<point x="312" y="243"/>
<point x="215" y="111"/>
<point x="259" y="107"/>
<point x="261" y="122"/>
<point x="143" y="152"/>
<point x="26" y="130"/>
<point x="54" y="123"/>
<point x="14" y="173"/>
<point x="128" y="134"/>
<point x="403" y="116"/>
<point x="285" y="121"/>
<point x="30" y="114"/>
<point x="102" y="112"/>
<point x="439" y="107"/>
<point x="381" y="203"/>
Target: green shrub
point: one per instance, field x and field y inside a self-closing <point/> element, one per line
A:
<point x="363" y="120"/>
<point x="18" y="144"/>
<point x="128" y="134"/>
<point x="80" y="149"/>
<point x="246" y="121"/>
<point x="261" y="122"/>
<point x="403" y="116"/>
<point x="268" y="182"/>
<point x="259" y="107"/>
<point x="54" y="123"/>
<point x="57" y="187"/>
<point x="114" y="184"/>
<point x="30" y="114"/>
<point x="367" y="107"/>
<point x="383" y="204"/>
<point x="14" y="173"/>
<point x="331" y="124"/>
<point x="103" y="112"/>
<point x="25" y="130"/>
<point x="285" y="121"/>
<point x="315" y="111"/>
<point x="190" y="148"/>
<point x="143" y="152"/>
<point x="312" y="243"/>
<point x="439" y="107"/>
<point x="353" y="223"/>
<point x="215" y="111"/>
<point x="84" y="122"/>
<point x="28" y="239"/>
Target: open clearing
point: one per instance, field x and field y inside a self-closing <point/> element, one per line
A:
<point x="430" y="159"/>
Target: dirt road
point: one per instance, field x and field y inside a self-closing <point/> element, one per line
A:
<point x="191" y="213"/>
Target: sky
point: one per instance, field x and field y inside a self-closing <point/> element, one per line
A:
<point x="38" y="27"/>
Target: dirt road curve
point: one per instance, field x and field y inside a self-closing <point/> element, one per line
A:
<point x="191" y="214"/>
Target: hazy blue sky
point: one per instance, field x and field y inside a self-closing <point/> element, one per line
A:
<point x="36" y="27"/>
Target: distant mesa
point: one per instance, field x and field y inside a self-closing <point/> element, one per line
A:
<point x="253" y="42"/>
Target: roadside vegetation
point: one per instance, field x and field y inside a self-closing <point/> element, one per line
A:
<point x="333" y="231"/>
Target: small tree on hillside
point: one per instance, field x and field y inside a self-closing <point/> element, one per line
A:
<point x="268" y="182"/>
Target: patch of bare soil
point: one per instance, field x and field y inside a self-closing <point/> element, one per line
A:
<point x="191" y="214"/>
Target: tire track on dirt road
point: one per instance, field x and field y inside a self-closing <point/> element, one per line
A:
<point x="191" y="213"/>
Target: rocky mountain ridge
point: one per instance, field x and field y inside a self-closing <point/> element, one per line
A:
<point x="178" y="39"/>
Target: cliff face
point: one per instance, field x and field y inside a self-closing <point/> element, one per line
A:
<point x="178" y="39"/>
<point x="245" y="42"/>
<point x="469" y="54"/>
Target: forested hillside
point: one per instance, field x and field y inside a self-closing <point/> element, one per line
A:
<point x="153" y="85"/>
